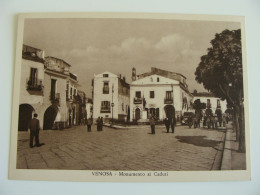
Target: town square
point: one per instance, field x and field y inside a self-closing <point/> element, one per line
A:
<point x="134" y="101"/>
<point x="124" y="149"/>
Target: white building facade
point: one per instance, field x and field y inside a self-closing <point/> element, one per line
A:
<point x="31" y="86"/>
<point x="160" y="93"/>
<point x="44" y="90"/>
<point x="110" y="97"/>
<point x="211" y="101"/>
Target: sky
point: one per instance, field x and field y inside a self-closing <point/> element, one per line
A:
<point x="92" y="46"/>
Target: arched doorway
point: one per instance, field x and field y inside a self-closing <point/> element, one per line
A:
<point x="49" y="117"/>
<point x="137" y="114"/>
<point x="169" y="111"/>
<point x="25" y="115"/>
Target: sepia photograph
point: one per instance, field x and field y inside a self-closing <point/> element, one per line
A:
<point x="130" y="97"/>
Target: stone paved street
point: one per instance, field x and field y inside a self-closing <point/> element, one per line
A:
<point x="123" y="149"/>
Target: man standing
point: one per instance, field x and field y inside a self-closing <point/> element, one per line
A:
<point x="101" y="124"/>
<point x="173" y="123"/>
<point x="89" y="123"/>
<point x="34" y="126"/>
<point x="152" y="123"/>
<point x="167" y="124"/>
<point x="98" y="121"/>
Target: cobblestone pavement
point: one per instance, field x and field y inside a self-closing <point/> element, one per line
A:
<point x="128" y="149"/>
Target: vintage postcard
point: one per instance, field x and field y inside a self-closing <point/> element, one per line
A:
<point x="130" y="97"/>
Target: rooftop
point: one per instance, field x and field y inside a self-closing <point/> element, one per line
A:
<point x="57" y="59"/>
<point x="203" y="94"/>
<point x="171" y="75"/>
<point x="32" y="53"/>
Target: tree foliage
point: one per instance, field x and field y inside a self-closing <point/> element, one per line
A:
<point x="220" y="70"/>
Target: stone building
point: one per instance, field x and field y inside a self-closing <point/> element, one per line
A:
<point x="111" y="97"/>
<point x="160" y="93"/>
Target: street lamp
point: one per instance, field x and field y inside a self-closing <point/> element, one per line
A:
<point x="112" y="105"/>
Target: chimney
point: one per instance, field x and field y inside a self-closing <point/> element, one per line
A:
<point x="133" y="74"/>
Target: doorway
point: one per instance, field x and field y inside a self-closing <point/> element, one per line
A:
<point x="25" y="115"/>
<point x="49" y="117"/>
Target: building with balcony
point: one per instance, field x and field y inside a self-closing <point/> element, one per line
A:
<point x="110" y="97"/>
<point x="31" y="86"/>
<point x="49" y="89"/>
<point x="55" y="79"/>
<point x="160" y="93"/>
<point x="72" y="99"/>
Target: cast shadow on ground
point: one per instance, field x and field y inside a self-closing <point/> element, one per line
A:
<point x="198" y="141"/>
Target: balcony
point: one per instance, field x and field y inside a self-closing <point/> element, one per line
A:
<point x="105" y="90"/>
<point x="105" y="110"/>
<point x="35" y="85"/>
<point x="138" y="100"/>
<point x="168" y="101"/>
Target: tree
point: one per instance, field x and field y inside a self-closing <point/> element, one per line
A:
<point x="220" y="71"/>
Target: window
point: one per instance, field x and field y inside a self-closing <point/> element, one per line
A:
<point x="218" y="104"/>
<point x="168" y="95"/>
<point x="71" y="93"/>
<point x="158" y="79"/>
<point x="105" y="75"/>
<point x="123" y="106"/>
<point x="67" y="91"/>
<point x="208" y="103"/>
<point x="106" y="87"/>
<point x="75" y="92"/>
<point x="126" y="108"/>
<point x="53" y="89"/>
<point x="33" y="83"/>
<point x="33" y="77"/>
<point x="138" y="94"/>
<point x="105" y="107"/>
<point x="151" y="94"/>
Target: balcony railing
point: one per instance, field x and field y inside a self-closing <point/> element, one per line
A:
<point x="138" y="100"/>
<point x="168" y="101"/>
<point x="34" y="85"/>
<point x="105" y="110"/>
<point x="105" y="90"/>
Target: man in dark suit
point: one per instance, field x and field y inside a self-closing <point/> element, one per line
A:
<point x="167" y="124"/>
<point x="173" y="123"/>
<point x="152" y="123"/>
<point x="34" y="126"/>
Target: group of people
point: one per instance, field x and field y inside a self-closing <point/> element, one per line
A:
<point x="99" y="122"/>
<point x="215" y="121"/>
<point x="169" y="122"/>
